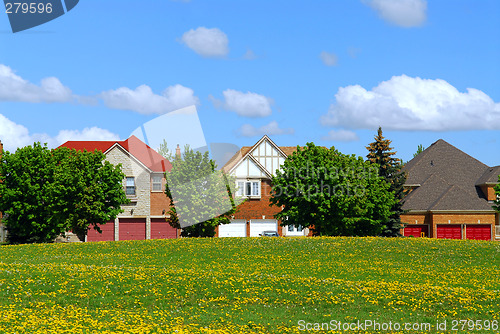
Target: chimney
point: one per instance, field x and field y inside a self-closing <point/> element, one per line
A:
<point x="178" y="151"/>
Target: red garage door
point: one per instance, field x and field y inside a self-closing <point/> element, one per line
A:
<point x="160" y="229"/>
<point x="416" y="231"/>
<point x="132" y="228"/>
<point x="449" y="231"/>
<point x="478" y="232"/>
<point x="108" y="233"/>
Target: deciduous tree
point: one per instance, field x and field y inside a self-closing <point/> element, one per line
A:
<point x="47" y="192"/>
<point x="331" y="193"/>
<point x="497" y="193"/>
<point x="202" y="196"/>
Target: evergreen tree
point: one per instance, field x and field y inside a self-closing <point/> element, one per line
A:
<point x="420" y="149"/>
<point x="382" y="154"/>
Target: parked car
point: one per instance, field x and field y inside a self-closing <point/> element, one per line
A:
<point x="269" y="234"/>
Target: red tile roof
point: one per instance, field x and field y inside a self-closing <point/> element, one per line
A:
<point x="142" y="152"/>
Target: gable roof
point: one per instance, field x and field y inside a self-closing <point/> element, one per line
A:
<point x="235" y="158"/>
<point x="490" y="176"/>
<point x="247" y="150"/>
<point x="447" y="179"/>
<point x="133" y="145"/>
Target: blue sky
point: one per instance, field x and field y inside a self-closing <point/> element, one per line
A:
<point x="328" y="72"/>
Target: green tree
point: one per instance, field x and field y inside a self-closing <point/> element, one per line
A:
<point x="47" y="192"/>
<point x="390" y="168"/>
<point x="497" y="193"/>
<point x="201" y="196"/>
<point x="420" y="149"/>
<point x="164" y="151"/>
<point x="87" y="190"/>
<point x="331" y="193"/>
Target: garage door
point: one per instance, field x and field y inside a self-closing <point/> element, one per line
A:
<point x="132" y="228"/>
<point x="416" y="231"/>
<point x="257" y="226"/>
<point x="449" y="231"/>
<point x="160" y="229"/>
<point x="237" y="228"/>
<point x="478" y="232"/>
<point x="108" y="232"/>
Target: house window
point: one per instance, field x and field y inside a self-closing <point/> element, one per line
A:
<point x="157" y="186"/>
<point x="248" y="188"/>
<point x="130" y="186"/>
<point x="241" y="187"/>
<point x="292" y="228"/>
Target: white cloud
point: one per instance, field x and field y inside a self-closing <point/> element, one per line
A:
<point x="50" y="90"/>
<point x="329" y="59"/>
<point x="14" y="135"/>
<point x="249" y="55"/>
<point x="144" y="101"/>
<point x="340" y="135"/>
<point x="271" y="129"/>
<point x="93" y="133"/>
<point x="207" y="42"/>
<point x="406" y="103"/>
<point x="245" y="104"/>
<point x="404" y="13"/>
<point x="15" y="88"/>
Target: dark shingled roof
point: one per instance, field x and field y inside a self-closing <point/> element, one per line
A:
<point x="490" y="176"/>
<point x="447" y="179"/>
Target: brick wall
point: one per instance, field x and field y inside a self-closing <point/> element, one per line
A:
<point x="159" y="202"/>
<point x="256" y="208"/>
<point x="419" y="219"/>
<point x="490" y="192"/>
<point x="434" y="219"/>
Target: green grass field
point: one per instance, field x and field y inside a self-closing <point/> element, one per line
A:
<point x="246" y="285"/>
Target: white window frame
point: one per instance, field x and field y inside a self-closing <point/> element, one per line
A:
<point x="293" y="229"/>
<point x="255" y="188"/>
<point x="153" y="183"/>
<point x="127" y="186"/>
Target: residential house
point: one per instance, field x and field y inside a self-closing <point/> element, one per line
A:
<point x="451" y="195"/>
<point x="253" y="168"/>
<point x="144" y="183"/>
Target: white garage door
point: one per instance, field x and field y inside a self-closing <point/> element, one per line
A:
<point x="237" y="228"/>
<point x="257" y="226"/>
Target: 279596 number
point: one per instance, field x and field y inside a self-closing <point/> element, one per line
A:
<point x="472" y="325"/>
<point x="24" y="7"/>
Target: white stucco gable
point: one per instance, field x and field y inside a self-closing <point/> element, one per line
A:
<point x="262" y="160"/>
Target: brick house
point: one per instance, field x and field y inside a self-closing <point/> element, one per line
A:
<point x="253" y="168"/>
<point x="144" y="217"/>
<point x="451" y="195"/>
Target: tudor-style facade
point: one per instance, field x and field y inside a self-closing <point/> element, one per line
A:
<point x="253" y="168"/>
<point x="144" y="217"/>
<point x="451" y="195"/>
